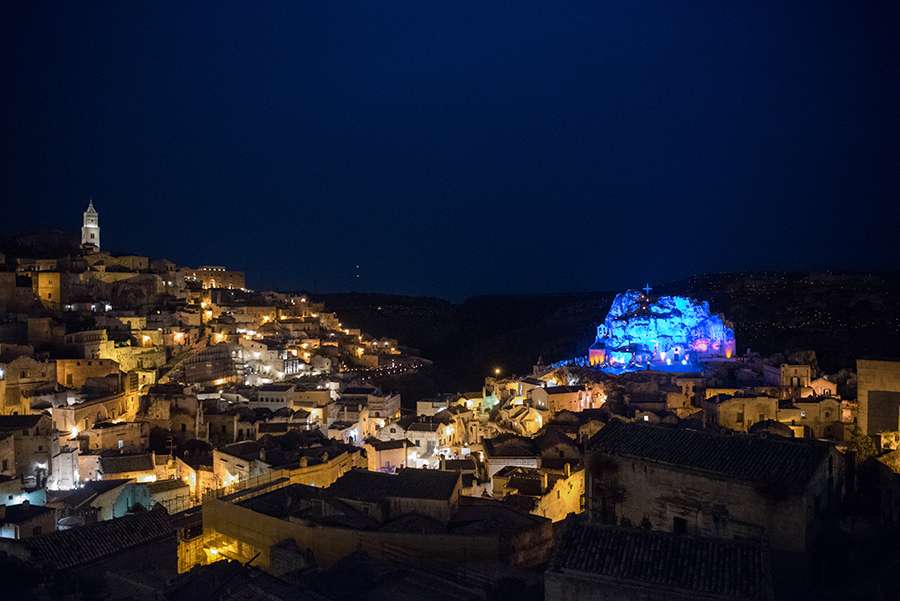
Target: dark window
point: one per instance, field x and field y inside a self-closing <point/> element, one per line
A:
<point x="679" y="525"/>
<point x="740" y="417"/>
<point x="184" y="427"/>
<point x="36" y="531"/>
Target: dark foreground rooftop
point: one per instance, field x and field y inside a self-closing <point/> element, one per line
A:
<point x="686" y="564"/>
<point x="80" y="546"/>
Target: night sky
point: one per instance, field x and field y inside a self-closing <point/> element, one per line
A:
<point x="456" y="150"/>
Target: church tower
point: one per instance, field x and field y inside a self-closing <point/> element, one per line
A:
<point x="90" y="230"/>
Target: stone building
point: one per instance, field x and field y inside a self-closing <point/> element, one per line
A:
<point x="91" y="344"/>
<point x="551" y="449"/>
<point x="770" y="488"/>
<point x="813" y="417"/>
<point x="384" y="407"/>
<point x="553" y="494"/>
<point x="83" y="416"/>
<point x="90" y="229"/>
<point x="420" y="515"/>
<point x="33" y="439"/>
<point x="738" y="412"/>
<point x="579" y="426"/>
<point x="7" y="455"/>
<point x="430" y="438"/>
<point x="73" y="373"/>
<point x="794" y="378"/>
<point x="98" y="500"/>
<point x="22" y="375"/>
<point x="432" y="493"/>
<point x="215" y="276"/>
<point x="212" y="365"/>
<point x="304" y="457"/>
<point x="126" y="437"/>
<point x="878" y="394"/>
<point x="48" y="287"/>
<point x="141" y="467"/>
<point x="387" y="455"/>
<point x="26" y="520"/>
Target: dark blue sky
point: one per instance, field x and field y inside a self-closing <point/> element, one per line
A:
<point x="459" y="149"/>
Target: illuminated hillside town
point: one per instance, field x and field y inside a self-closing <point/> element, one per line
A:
<point x="168" y="427"/>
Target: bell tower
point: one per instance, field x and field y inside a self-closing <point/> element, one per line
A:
<point x="90" y="229"/>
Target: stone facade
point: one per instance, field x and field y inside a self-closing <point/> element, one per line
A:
<point x="878" y="393"/>
<point x="695" y="497"/>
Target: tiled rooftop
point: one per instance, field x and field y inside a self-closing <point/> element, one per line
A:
<point x="694" y="565"/>
<point x="119" y="464"/>
<point x="80" y="546"/>
<point x="409" y="483"/>
<point x="773" y="461"/>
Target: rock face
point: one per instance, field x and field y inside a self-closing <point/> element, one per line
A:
<point x="642" y="331"/>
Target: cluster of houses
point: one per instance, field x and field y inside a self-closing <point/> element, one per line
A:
<point x="196" y="436"/>
<point x="127" y="383"/>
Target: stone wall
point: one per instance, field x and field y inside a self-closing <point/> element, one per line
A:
<point x="262" y="532"/>
<point x="707" y="505"/>
<point x="878" y="392"/>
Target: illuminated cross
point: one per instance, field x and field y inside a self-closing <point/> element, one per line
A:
<point x="647" y="289"/>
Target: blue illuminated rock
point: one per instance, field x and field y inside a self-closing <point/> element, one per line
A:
<point x="641" y="331"/>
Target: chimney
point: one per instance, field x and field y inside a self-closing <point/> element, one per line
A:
<point x="262" y="453"/>
<point x="545" y="481"/>
<point x="567" y="469"/>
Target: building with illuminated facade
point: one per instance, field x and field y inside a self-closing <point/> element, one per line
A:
<point x="215" y="276"/>
<point x="641" y="331"/>
<point x="90" y="229"/>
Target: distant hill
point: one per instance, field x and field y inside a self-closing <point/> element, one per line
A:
<point x="841" y="316"/>
<point x="41" y="244"/>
